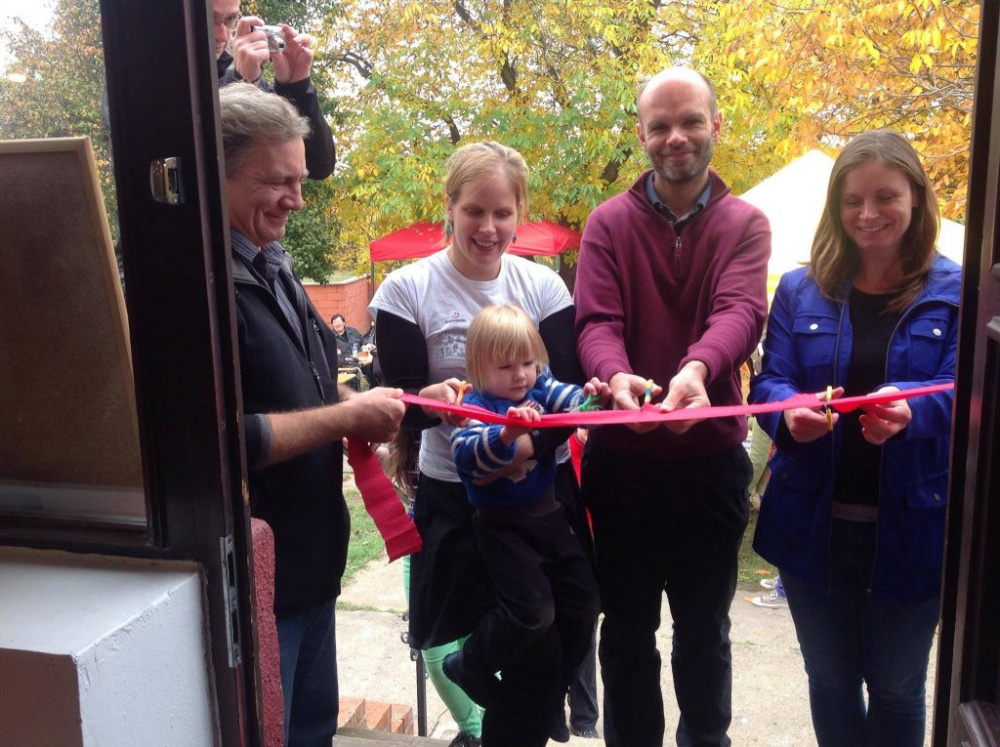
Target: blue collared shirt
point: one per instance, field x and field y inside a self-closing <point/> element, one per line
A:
<point x="663" y="209"/>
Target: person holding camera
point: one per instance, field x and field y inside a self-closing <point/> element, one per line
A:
<point x="291" y="56"/>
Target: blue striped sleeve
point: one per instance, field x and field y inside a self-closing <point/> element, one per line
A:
<point x="479" y="451"/>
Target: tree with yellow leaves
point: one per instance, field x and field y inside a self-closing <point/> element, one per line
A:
<point x="405" y="81"/>
<point x="812" y="73"/>
<point x="558" y="80"/>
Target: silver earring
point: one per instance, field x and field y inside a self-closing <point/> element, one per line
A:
<point x="448" y="230"/>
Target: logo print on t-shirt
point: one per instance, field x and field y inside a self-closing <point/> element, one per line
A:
<point x="452" y="347"/>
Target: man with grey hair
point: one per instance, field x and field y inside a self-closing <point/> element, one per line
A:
<point x="670" y="288"/>
<point x="295" y="415"/>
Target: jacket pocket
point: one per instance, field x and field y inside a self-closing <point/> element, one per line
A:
<point x="788" y="512"/>
<point x="924" y="522"/>
<point x="928" y="340"/>
<point x="929" y="492"/>
<point x="815" y="340"/>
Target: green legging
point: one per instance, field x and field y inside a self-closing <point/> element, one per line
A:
<point x="466" y="713"/>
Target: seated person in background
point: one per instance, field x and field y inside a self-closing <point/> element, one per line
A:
<point x="541" y="577"/>
<point x="348" y="338"/>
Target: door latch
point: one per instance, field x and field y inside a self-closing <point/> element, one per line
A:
<point x="165" y="180"/>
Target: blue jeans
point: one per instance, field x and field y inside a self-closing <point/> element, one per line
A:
<point x="847" y="639"/>
<point x="307" y="644"/>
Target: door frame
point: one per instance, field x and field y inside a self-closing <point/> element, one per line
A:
<point x="968" y="669"/>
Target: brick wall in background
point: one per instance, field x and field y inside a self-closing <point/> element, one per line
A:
<point x="348" y="297"/>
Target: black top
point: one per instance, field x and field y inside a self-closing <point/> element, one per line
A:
<point x="858" y="479"/>
<point x="348" y="344"/>
<point x="321" y="156"/>
<point x="301" y="499"/>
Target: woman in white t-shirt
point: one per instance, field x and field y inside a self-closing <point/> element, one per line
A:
<point x="422" y="312"/>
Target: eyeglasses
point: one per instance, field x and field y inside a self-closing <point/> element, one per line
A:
<point x="228" y="21"/>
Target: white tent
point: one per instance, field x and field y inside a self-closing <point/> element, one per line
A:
<point x="793" y="199"/>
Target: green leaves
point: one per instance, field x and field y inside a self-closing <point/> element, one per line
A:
<point x="63" y="70"/>
<point x="405" y="81"/>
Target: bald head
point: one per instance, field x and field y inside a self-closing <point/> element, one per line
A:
<point x="678" y="125"/>
<point x="675" y="75"/>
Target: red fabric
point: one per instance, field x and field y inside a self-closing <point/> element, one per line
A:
<point x="423" y="239"/>
<point x="419" y="240"/>
<point x="652" y="413"/>
<point x="576" y="455"/>
<point x="381" y="502"/>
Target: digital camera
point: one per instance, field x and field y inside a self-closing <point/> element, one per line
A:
<point x="275" y="37"/>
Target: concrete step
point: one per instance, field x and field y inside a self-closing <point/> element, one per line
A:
<point x="353" y="737"/>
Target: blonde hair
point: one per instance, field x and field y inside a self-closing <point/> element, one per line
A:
<point x="834" y="255"/>
<point x="401" y="462"/>
<point x="499" y="334"/>
<point x="486" y="158"/>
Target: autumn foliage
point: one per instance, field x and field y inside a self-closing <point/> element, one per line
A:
<point x="405" y="81"/>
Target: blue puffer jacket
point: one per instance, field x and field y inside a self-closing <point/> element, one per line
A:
<point x="807" y="348"/>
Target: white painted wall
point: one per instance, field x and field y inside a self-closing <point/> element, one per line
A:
<point x="101" y="652"/>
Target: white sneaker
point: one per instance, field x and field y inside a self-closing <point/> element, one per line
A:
<point x="771" y="600"/>
<point x="769" y="583"/>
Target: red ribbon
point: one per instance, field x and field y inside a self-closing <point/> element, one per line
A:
<point x="400" y="534"/>
<point x="381" y="502"/>
<point x="652" y="413"/>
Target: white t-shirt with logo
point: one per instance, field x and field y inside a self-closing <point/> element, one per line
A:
<point x="432" y="294"/>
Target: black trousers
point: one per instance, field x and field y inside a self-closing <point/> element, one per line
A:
<point x="582" y="692"/>
<point x="671" y="526"/>
<point x="450" y="591"/>
<point x="541" y="579"/>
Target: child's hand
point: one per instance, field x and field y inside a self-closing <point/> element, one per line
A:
<point x="526" y="413"/>
<point x="529" y="415"/>
<point x="445" y="391"/>
<point x="597" y="388"/>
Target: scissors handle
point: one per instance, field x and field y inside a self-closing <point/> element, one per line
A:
<point x="589" y="403"/>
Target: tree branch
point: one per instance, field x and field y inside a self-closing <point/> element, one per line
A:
<point x="363" y="66"/>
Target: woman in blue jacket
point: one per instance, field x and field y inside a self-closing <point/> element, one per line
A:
<point x="854" y="513"/>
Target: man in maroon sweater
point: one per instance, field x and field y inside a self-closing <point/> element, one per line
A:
<point x="671" y="286"/>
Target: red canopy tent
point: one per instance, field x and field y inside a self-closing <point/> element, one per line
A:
<point x="421" y="239"/>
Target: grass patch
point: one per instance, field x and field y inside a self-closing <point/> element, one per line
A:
<point x="752" y="567"/>
<point x="366" y="543"/>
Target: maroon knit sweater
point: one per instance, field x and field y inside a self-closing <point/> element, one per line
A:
<point x="648" y="301"/>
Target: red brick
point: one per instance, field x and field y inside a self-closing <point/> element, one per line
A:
<point x="352" y="713"/>
<point x="402" y="719"/>
<point x="377" y="716"/>
<point x="349" y="297"/>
